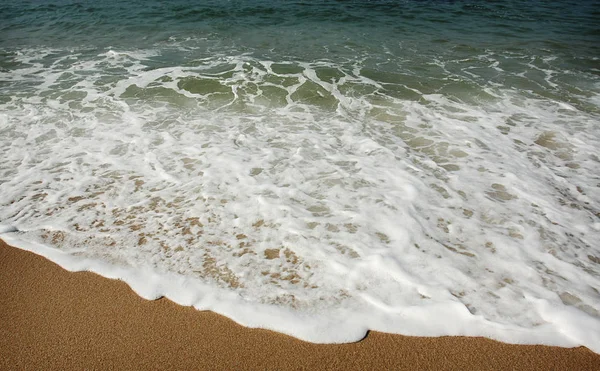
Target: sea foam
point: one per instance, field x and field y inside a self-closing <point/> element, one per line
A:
<point x="317" y="199"/>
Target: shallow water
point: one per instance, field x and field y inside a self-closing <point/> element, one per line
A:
<point x="317" y="168"/>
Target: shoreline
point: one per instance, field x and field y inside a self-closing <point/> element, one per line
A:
<point x="55" y="319"/>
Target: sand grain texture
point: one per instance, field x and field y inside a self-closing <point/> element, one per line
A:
<point x="55" y="319"/>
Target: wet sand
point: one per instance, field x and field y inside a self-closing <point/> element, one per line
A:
<point x="54" y="319"/>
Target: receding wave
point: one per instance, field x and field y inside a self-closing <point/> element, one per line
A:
<point x="310" y="186"/>
<point x="316" y="186"/>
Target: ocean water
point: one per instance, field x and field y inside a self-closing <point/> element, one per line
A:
<point x="318" y="168"/>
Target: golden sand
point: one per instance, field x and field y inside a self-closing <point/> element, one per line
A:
<point x="54" y="319"/>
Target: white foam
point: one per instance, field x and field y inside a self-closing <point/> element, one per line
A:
<point x="317" y="207"/>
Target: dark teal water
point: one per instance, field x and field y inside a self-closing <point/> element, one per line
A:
<point x="298" y="28"/>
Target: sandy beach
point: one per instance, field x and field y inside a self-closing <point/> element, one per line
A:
<point x="55" y="319"/>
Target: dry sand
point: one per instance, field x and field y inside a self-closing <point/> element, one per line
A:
<point x="54" y="319"/>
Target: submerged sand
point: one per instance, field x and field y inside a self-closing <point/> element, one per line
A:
<point x="54" y="319"/>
